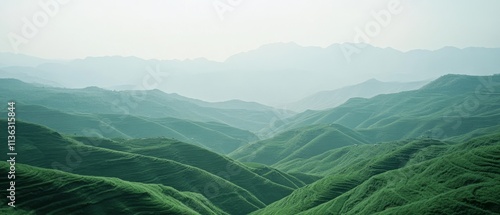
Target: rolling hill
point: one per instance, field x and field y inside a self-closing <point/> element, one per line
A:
<point x="145" y="103"/>
<point x="332" y="161"/>
<point x="218" y="137"/>
<point x="42" y="147"/>
<point x="367" y="89"/>
<point x="195" y="156"/>
<point x="461" y="178"/>
<point x="298" y="143"/>
<point x="57" y="192"/>
<point x="449" y="106"/>
<point x="435" y="150"/>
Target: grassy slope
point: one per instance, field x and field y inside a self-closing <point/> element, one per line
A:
<point x="152" y="103"/>
<point x="215" y="136"/>
<point x="306" y="178"/>
<point x="42" y="147"/>
<point x="279" y="176"/>
<point x="466" y="182"/>
<point x="211" y="162"/>
<point x="412" y="172"/>
<point x="330" y="99"/>
<point x="449" y="106"/>
<point x="476" y="133"/>
<point x="346" y="179"/>
<point x="332" y="161"/>
<point x="355" y="173"/>
<point x="48" y="191"/>
<point x="298" y="143"/>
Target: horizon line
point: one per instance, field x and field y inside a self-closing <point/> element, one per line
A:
<point x="250" y="50"/>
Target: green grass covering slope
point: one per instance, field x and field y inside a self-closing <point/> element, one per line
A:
<point x="253" y="181"/>
<point x="476" y="133"/>
<point x="306" y="178"/>
<point x="449" y="106"/>
<point x="276" y="175"/>
<point x="215" y="136"/>
<point x="45" y="191"/>
<point x="424" y="176"/>
<point x="298" y="143"/>
<point x="467" y="182"/>
<point x="41" y="147"/>
<point x="147" y="103"/>
<point x="346" y="179"/>
<point x="333" y="161"/>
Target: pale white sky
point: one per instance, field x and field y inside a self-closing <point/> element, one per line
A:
<point x="180" y="29"/>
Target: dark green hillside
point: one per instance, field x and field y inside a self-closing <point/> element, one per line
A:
<point x="306" y="178"/>
<point x="333" y="161"/>
<point x="278" y="176"/>
<point x="460" y="183"/>
<point x="431" y="151"/>
<point x="332" y="186"/>
<point x="218" y="137"/>
<point x="253" y="181"/>
<point x="45" y="191"/>
<point x="455" y="84"/>
<point x="41" y="147"/>
<point x="476" y="133"/>
<point x="298" y="144"/>
<point x="148" y="103"/>
<point x="422" y="175"/>
<point x="215" y="136"/>
<point x="450" y="106"/>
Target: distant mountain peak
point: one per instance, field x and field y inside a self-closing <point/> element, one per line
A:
<point x="367" y="89"/>
<point x="94" y="88"/>
<point x="460" y="83"/>
<point x="14" y="82"/>
<point x="11" y="80"/>
<point x="372" y="80"/>
<point x="446" y="79"/>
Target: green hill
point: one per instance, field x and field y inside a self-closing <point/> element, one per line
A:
<point x="253" y="181"/>
<point x="413" y="176"/>
<point x="449" y="106"/>
<point x="146" y="103"/>
<point x="298" y="144"/>
<point x="461" y="183"/>
<point x="435" y="150"/>
<point x="215" y="136"/>
<point x="41" y="147"/>
<point x="278" y="176"/>
<point x="334" y="160"/>
<point x="367" y="89"/>
<point x="45" y="191"/>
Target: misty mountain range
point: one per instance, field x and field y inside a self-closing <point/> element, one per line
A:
<point x="229" y="107"/>
<point x="333" y="98"/>
<point x="274" y="74"/>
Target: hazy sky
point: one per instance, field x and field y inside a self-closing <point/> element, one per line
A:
<point x="180" y="29"/>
